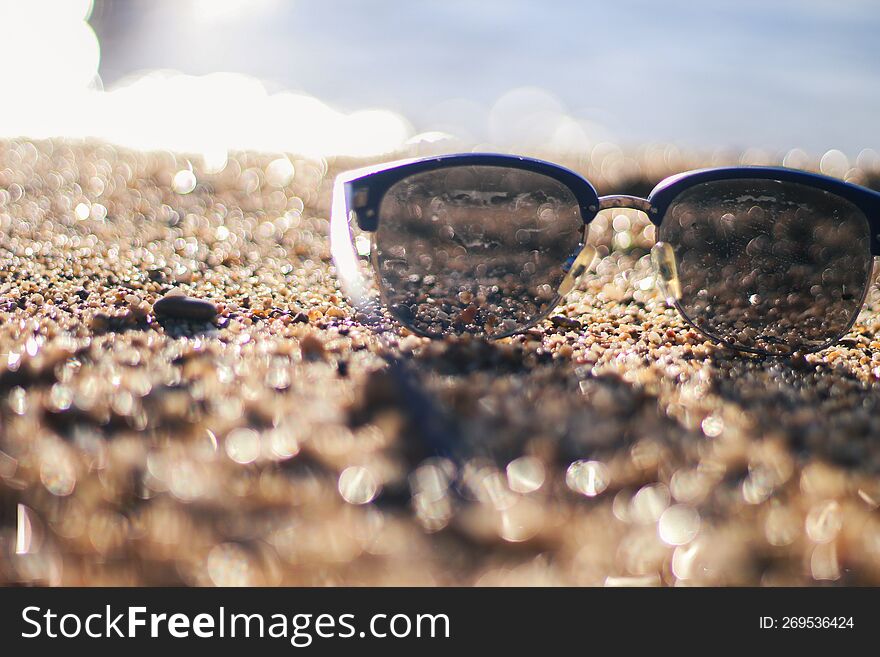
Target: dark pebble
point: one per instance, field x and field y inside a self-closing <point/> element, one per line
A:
<point x="157" y="275"/>
<point x="100" y="322"/>
<point x="542" y="356"/>
<point x="798" y="362"/>
<point x="183" y="307"/>
<point x="312" y="347"/>
<point x="565" y="322"/>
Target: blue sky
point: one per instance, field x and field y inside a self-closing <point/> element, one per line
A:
<point x="773" y="75"/>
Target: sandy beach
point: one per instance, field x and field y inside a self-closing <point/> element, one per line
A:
<point x="248" y="429"/>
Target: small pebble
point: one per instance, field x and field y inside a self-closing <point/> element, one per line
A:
<point x="100" y="322"/>
<point x="335" y="312"/>
<point x="178" y="306"/>
<point x="566" y="322"/>
<point x="312" y="347"/>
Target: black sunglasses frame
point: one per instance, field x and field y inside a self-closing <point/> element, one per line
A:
<point x="358" y="195"/>
<point x="365" y="188"/>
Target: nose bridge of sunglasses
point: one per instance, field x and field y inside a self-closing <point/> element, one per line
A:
<point x="666" y="269"/>
<point x="588" y="255"/>
<point x="625" y="201"/>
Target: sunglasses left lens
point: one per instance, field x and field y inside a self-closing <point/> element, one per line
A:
<point x="475" y="249"/>
<point x="768" y="266"/>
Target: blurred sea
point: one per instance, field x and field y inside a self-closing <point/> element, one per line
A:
<point x="751" y="73"/>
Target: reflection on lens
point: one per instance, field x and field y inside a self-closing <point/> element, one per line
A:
<point x="768" y="266"/>
<point x="475" y="249"/>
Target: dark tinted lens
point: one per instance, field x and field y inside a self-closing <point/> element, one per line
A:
<point x="477" y="249"/>
<point x="768" y="266"/>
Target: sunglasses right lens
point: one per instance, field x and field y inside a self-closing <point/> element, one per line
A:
<point x="768" y="266"/>
<point x="475" y="249"/>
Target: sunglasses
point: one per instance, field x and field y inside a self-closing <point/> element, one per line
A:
<point x="760" y="259"/>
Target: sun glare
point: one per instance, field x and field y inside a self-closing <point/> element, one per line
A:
<point x="56" y="91"/>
